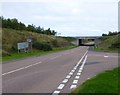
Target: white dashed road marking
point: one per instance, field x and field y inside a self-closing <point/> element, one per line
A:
<point x="71" y="73"/>
<point x="56" y="92"/>
<point x="78" y="74"/>
<point x="20" y="69"/>
<point x="80" y="71"/>
<point x="61" y="86"/>
<point x="75" y="81"/>
<point x="73" y="86"/>
<point x="68" y="76"/>
<point x="106" y="56"/>
<point x="75" y="68"/>
<point x="65" y="81"/>
<point x="77" y="77"/>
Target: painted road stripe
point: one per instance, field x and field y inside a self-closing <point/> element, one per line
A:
<point x="55" y="57"/>
<point x="56" y="92"/>
<point x="88" y="78"/>
<point x="75" y="81"/>
<point x="77" y="77"/>
<point x="84" y="61"/>
<point x="71" y="73"/>
<point x="106" y="56"/>
<point x="20" y="69"/>
<point x="68" y="76"/>
<point x="75" y="68"/>
<point x="81" y="68"/>
<point x="61" y="86"/>
<point x="80" y="71"/>
<point x="78" y="74"/>
<point x="73" y="86"/>
<point x="65" y="81"/>
<point x="82" y="58"/>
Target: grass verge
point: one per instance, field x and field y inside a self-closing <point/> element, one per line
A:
<point x="106" y="82"/>
<point x="15" y="56"/>
<point x="112" y="50"/>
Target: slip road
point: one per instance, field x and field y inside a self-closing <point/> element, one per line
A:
<point x="55" y="73"/>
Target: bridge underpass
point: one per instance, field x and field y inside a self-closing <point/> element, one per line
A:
<point x="91" y="40"/>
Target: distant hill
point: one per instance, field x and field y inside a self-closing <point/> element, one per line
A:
<point x="11" y="37"/>
<point x="109" y="43"/>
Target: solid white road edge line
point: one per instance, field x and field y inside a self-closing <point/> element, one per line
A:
<point x="20" y="69"/>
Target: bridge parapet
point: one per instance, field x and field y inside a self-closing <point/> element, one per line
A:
<point x="87" y="37"/>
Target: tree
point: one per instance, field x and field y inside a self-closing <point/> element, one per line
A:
<point x="31" y="28"/>
<point x="15" y="24"/>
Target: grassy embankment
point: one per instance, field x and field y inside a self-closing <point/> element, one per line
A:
<point x="106" y="82"/>
<point x="109" y="44"/>
<point x="11" y="37"/>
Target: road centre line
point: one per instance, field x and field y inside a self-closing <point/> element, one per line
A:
<point x="65" y="81"/>
<point x="73" y="86"/>
<point x="71" y="73"/>
<point x="75" y="81"/>
<point x="68" y="76"/>
<point x="20" y="69"/>
<point x="78" y="74"/>
<point x="81" y="59"/>
<point x="77" y="77"/>
<point x="61" y="86"/>
<point x="56" y="92"/>
<point x="54" y="57"/>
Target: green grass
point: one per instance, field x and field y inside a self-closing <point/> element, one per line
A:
<point x="16" y="55"/>
<point x="106" y="82"/>
<point x="99" y="49"/>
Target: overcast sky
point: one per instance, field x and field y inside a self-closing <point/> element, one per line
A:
<point x="68" y="17"/>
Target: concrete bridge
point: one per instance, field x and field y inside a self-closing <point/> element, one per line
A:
<point x="79" y="40"/>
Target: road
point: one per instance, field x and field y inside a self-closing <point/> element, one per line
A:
<point x="55" y="73"/>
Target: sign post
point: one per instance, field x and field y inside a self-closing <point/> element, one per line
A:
<point x="29" y="40"/>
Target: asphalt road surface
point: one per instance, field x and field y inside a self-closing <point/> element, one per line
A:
<point x="55" y="73"/>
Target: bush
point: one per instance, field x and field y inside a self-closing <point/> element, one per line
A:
<point x="55" y="43"/>
<point x="5" y="53"/>
<point x="42" y="46"/>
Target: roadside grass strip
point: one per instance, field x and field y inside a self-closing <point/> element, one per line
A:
<point x="106" y="82"/>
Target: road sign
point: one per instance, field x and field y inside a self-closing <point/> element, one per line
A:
<point x="29" y="40"/>
<point x="22" y="45"/>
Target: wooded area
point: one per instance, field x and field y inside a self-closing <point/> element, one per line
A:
<point x="15" y="24"/>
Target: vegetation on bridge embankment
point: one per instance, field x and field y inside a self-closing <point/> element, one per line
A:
<point x="109" y="43"/>
<point x="14" y="31"/>
<point x="11" y="37"/>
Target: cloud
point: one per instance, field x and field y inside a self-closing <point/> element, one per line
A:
<point x="69" y="17"/>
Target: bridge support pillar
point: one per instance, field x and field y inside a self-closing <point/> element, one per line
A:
<point x="80" y="42"/>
